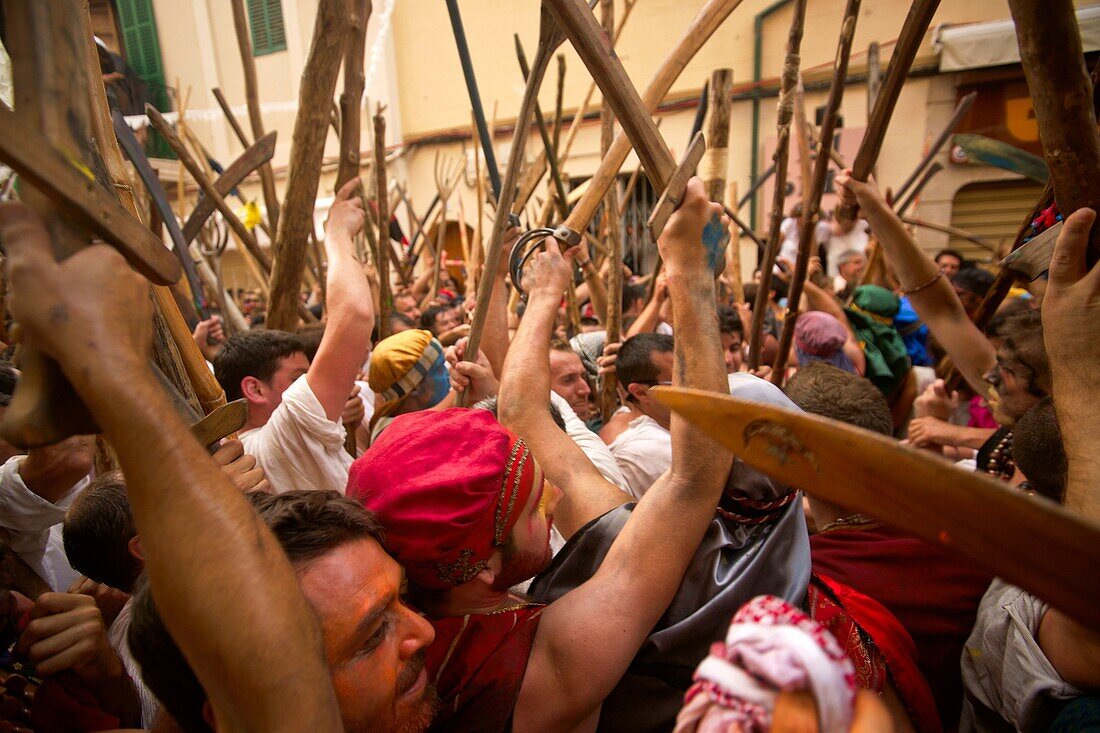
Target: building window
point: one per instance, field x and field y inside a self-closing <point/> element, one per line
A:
<point x="265" y="18"/>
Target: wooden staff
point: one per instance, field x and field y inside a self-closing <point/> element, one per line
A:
<point x="557" y="191"/>
<point x="715" y="165"/>
<point x="708" y="20"/>
<point x="352" y="97"/>
<point x="803" y="134"/>
<point x="812" y="202"/>
<point x="549" y="39"/>
<point x="874" y="74"/>
<point x="782" y="149"/>
<point x="613" y="319"/>
<point x="928" y="176"/>
<point x="252" y="97"/>
<point x="479" y="251"/>
<point x="161" y="125"/>
<point x="385" y="297"/>
<point x="909" y="40"/>
<point x="947" y="229"/>
<point x="1050" y="49"/>
<point x="330" y="33"/>
<point x="1038" y="545"/>
<point x="733" y="253"/>
<point x="539" y="164"/>
<point x="956" y="117"/>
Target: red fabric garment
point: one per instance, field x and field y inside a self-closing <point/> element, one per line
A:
<point x="980" y="415"/>
<point x="932" y="592"/>
<point x="877" y="645"/>
<point x="62" y="704"/>
<point x="477" y="663"/>
<point x="448" y="486"/>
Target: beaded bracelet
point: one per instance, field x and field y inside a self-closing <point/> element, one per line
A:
<point x="922" y="286"/>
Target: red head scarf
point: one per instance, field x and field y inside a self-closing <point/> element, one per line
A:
<point x="448" y="486"/>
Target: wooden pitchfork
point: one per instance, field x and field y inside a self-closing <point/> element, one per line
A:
<point x="447" y="175"/>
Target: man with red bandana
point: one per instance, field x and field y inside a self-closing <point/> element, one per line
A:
<point x="467" y="512"/>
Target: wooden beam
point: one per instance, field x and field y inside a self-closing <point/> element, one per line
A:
<point x="330" y="34"/>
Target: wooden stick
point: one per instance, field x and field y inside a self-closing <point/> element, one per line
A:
<point x="782" y="150"/>
<point x="946" y="229"/>
<point x="928" y="176"/>
<point x="733" y="253"/>
<point x="231" y="118"/>
<point x="479" y="251"/>
<point x="330" y="33"/>
<point x="613" y="319"/>
<point x="709" y="18"/>
<point x="1050" y="49"/>
<point x="549" y="39"/>
<point x="352" y="96"/>
<point x="812" y="203"/>
<point x="161" y="125"/>
<point x="47" y="52"/>
<point x="252" y="97"/>
<point x="909" y="41"/>
<point x="384" y="254"/>
<point x="557" y="185"/>
<point x="956" y="117"/>
<point x="715" y="165"/>
<point x="1040" y="546"/>
<point x="180" y="204"/>
<point x="874" y="74"/>
<point x="803" y="135"/>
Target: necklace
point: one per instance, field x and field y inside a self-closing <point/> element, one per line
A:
<point x="850" y="522"/>
<point x="512" y="607"/>
<point x="1000" y="464"/>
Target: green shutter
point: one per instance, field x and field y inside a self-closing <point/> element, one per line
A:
<point x="141" y="47"/>
<point x="265" y="19"/>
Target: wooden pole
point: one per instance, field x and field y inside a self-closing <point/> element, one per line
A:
<point x="1062" y="93"/>
<point x="874" y="74"/>
<point x="715" y="165"/>
<point x="812" y="203"/>
<point x="330" y="33"/>
<point x="733" y="252"/>
<point x="252" y="97"/>
<point x="613" y="320"/>
<point x="909" y="41"/>
<point x="352" y="97"/>
<point x="200" y="384"/>
<point x="782" y="149"/>
<point x="385" y="299"/>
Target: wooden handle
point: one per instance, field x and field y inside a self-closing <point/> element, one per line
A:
<point x="909" y="41"/>
<point x="703" y="26"/>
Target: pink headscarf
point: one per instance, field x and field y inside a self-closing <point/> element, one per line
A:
<point x="771" y="647"/>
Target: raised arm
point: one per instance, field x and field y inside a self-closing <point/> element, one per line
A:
<point x="587" y="638"/>
<point x="223" y="586"/>
<point x="494" y="339"/>
<point x="344" y="346"/>
<point x="650" y="317"/>
<point x="930" y="293"/>
<point x="523" y="404"/>
<point x="597" y="291"/>
<point x="1071" y="334"/>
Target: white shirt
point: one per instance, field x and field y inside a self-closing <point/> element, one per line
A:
<point x="590" y="443"/>
<point x="788" y="249"/>
<point x="34" y="525"/>
<point x="643" y="452"/>
<point x="116" y="637"/>
<point x="299" y="447"/>
<point x="856" y="239"/>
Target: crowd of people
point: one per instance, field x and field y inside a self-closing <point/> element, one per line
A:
<point x="545" y="559"/>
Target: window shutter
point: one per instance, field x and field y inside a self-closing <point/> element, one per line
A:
<point x="141" y="47"/>
<point x="265" y="19"/>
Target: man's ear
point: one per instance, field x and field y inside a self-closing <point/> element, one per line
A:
<point x="134" y="548"/>
<point x="493" y="566"/>
<point x="638" y="391"/>
<point x="253" y="390"/>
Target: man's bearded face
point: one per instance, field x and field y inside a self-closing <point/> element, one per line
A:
<point x="374" y="644"/>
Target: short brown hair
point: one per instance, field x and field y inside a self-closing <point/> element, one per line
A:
<point x="307" y="525"/>
<point x="1023" y="340"/>
<point x="824" y="390"/>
